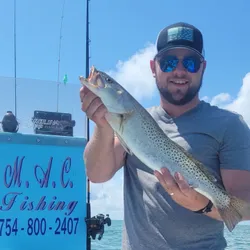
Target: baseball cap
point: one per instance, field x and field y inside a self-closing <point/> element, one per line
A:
<point x="180" y="35"/>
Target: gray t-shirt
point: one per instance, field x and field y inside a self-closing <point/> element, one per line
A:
<point x="152" y="220"/>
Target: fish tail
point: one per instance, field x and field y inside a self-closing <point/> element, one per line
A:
<point x="233" y="213"/>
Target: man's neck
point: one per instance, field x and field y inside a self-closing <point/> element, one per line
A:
<point x="175" y="110"/>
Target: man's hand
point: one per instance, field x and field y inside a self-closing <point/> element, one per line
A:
<point x="93" y="107"/>
<point x="180" y="190"/>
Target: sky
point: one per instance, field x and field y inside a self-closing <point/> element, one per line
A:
<point x="122" y="35"/>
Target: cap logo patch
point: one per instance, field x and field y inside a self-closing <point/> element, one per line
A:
<point x="180" y="33"/>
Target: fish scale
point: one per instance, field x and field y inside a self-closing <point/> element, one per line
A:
<point x="164" y="144"/>
<point x="140" y="135"/>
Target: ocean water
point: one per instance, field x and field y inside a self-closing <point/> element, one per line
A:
<point x="239" y="239"/>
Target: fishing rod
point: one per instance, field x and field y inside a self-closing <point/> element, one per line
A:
<point x="95" y="224"/>
<point x="15" y="87"/>
<point x="88" y="208"/>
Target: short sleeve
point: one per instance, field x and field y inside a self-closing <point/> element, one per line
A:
<point x="235" y="147"/>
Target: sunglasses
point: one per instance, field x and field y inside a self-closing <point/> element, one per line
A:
<point x="190" y="63"/>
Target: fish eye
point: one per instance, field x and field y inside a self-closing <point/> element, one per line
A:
<point x="108" y="79"/>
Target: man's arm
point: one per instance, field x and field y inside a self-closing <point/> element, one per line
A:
<point x="235" y="162"/>
<point x="234" y="159"/>
<point x="103" y="155"/>
<point x="236" y="183"/>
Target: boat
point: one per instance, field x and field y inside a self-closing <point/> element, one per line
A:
<point x="45" y="193"/>
<point x="43" y="189"/>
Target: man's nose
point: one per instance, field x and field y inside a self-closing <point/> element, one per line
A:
<point x="180" y="69"/>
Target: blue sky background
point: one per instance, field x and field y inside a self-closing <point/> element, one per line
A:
<point x="118" y="30"/>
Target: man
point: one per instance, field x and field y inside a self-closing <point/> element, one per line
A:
<point x="162" y="211"/>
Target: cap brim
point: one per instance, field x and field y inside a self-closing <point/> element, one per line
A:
<point x="178" y="47"/>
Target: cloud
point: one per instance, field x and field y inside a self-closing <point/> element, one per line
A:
<point x="220" y="99"/>
<point x="238" y="104"/>
<point x="134" y="74"/>
<point x="241" y="103"/>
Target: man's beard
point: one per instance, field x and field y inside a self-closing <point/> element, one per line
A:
<point x="189" y="96"/>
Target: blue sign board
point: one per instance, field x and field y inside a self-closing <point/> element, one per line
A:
<point x="42" y="193"/>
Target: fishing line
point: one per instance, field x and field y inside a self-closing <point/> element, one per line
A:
<point x="59" y="59"/>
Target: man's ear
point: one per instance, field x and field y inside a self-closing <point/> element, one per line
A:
<point x="152" y="66"/>
<point x="204" y="66"/>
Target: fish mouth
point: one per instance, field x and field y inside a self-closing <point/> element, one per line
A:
<point x="92" y="80"/>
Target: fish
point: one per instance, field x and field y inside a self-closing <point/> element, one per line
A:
<point x="141" y="136"/>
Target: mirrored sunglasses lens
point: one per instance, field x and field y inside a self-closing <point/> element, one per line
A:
<point x="192" y="64"/>
<point x="168" y="64"/>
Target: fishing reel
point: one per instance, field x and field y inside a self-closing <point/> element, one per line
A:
<point x="95" y="225"/>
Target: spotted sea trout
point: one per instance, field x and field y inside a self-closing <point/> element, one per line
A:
<point x="141" y="136"/>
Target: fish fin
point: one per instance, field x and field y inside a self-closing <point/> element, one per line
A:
<point x="126" y="148"/>
<point x="119" y="119"/>
<point x="192" y="185"/>
<point x="234" y="212"/>
<point x="113" y="117"/>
